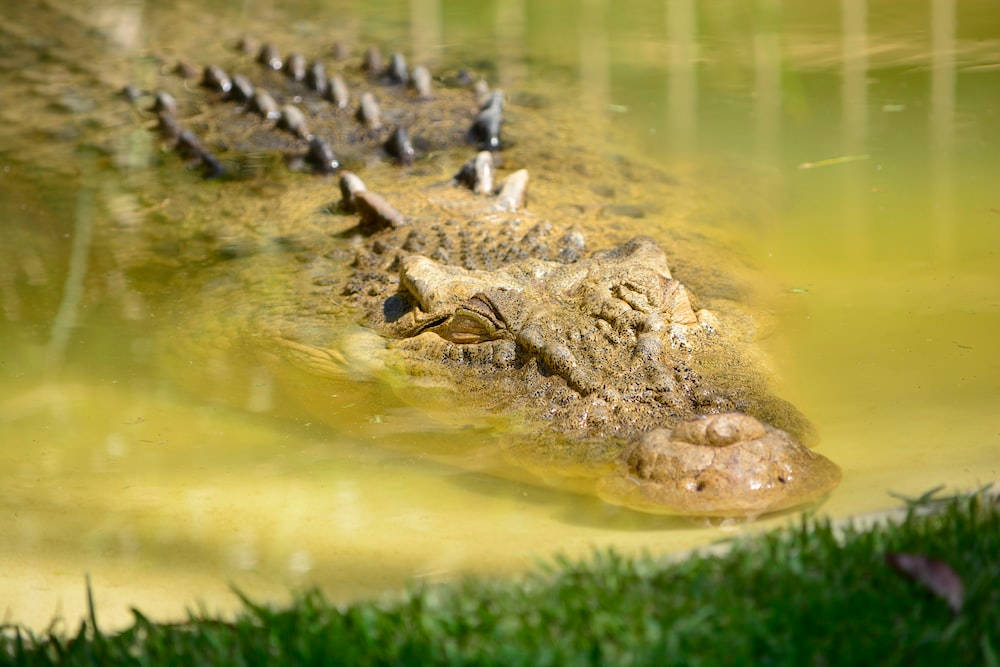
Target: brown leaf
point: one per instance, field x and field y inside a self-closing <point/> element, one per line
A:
<point x="932" y="573"/>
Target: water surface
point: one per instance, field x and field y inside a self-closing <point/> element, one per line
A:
<point x="852" y="148"/>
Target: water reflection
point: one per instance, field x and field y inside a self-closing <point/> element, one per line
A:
<point x="767" y="79"/>
<point x="682" y="95"/>
<point x="854" y="122"/>
<point x="166" y="495"/>
<point x="425" y="31"/>
<point x="510" y="31"/>
<point x="66" y="317"/>
<point x="594" y="58"/>
<point x="942" y="124"/>
<point x="854" y="89"/>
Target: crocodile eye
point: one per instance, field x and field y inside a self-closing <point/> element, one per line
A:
<point x="475" y="321"/>
<point x="467" y="326"/>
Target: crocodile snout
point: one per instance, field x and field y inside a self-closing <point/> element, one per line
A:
<point x="719" y="465"/>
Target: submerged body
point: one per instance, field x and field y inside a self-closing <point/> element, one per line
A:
<point x="549" y="309"/>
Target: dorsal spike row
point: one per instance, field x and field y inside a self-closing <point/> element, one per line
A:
<point x="397" y="72"/>
<point x="295" y="67"/>
<point x="242" y="90"/>
<point x="375" y="212"/>
<point x="269" y="57"/>
<point x="339" y="51"/>
<point x="188" y="145"/>
<point x="316" y="77"/>
<point x="420" y="81"/>
<point x="336" y="92"/>
<point x="214" y="78"/>
<point x="321" y="157"/>
<point x="372" y="62"/>
<point x="163" y="102"/>
<point x="263" y="104"/>
<point x="293" y="120"/>
<point x="484" y="131"/>
<point x="477" y="173"/>
<point x="368" y="113"/>
<point x="400" y="147"/>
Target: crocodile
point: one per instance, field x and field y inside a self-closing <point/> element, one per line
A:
<point x="523" y="300"/>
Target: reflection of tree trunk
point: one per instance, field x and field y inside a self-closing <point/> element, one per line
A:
<point x="767" y="81"/>
<point x="595" y="70"/>
<point x="65" y="318"/>
<point x="854" y="119"/>
<point x="854" y="88"/>
<point x="942" y="115"/>
<point x="425" y="30"/>
<point x="510" y="42"/>
<point x="681" y="83"/>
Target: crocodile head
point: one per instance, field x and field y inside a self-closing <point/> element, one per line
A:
<point x="610" y="348"/>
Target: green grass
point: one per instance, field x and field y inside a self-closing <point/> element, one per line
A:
<point x="804" y="595"/>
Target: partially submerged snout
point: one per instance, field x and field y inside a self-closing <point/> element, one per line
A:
<point x="719" y="465"/>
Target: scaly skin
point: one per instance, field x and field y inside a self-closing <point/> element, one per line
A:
<point x="640" y="386"/>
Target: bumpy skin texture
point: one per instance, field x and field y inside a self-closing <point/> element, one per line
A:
<point x="731" y="462"/>
<point x="653" y="398"/>
<point x="604" y="348"/>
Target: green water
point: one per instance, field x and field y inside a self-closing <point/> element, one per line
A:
<point x="854" y="146"/>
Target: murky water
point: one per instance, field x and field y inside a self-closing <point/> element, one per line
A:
<point x="855" y="146"/>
